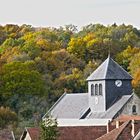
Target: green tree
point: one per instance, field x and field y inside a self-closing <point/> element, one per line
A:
<point x="49" y="130"/>
<point x="21" y="78"/>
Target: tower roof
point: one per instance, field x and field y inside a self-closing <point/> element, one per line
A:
<point x="109" y="69"/>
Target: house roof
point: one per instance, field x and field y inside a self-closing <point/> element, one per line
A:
<point x="114" y="134"/>
<point x="81" y="132"/>
<point x="109" y="69"/>
<point x="33" y="133"/>
<point x="128" y="117"/>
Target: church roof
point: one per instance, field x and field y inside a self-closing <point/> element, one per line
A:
<point x="109" y="69"/>
<point x="71" y="105"/>
<point x="75" y="105"/>
<point x="113" y="110"/>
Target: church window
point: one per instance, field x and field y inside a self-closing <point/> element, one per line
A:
<point x="92" y="90"/>
<point x="100" y="89"/>
<point x="134" y="110"/>
<point x="96" y="89"/>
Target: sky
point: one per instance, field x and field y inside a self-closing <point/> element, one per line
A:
<point x="55" y="13"/>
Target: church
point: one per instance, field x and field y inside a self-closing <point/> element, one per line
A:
<point x="86" y="116"/>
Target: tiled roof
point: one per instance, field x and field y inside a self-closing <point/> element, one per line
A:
<point x="34" y="133"/>
<point x="81" y="132"/>
<point x="113" y="135"/>
<point x="128" y="117"/>
<point x="109" y="69"/>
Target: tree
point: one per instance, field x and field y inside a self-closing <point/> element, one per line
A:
<point x="21" y="78"/>
<point x="49" y="130"/>
<point x="136" y="82"/>
<point x="135" y="71"/>
<point x="77" y="46"/>
<point x="124" y="58"/>
<point x="7" y="117"/>
<point x="74" y="82"/>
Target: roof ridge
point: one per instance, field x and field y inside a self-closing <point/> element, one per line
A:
<point x="119" y="130"/>
<point x="123" y="126"/>
<point x="107" y="66"/>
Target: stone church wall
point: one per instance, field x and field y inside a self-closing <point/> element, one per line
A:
<point x="128" y="108"/>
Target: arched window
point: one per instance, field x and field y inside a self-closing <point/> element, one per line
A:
<point x="92" y="90"/>
<point x="134" y="112"/>
<point x="100" y="89"/>
<point x="96" y="89"/>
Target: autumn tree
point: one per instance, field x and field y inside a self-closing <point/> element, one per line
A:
<point x="134" y="67"/>
<point x="7" y="117"/>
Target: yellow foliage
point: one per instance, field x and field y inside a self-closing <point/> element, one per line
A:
<point x="136" y="81"/>
<point x="10" y="54"/>
<point x="89" y="37"/>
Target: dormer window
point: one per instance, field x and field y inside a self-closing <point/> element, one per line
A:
<point x="92" y="90"/>
<point x="100" y="89"/>
<point x="96" y="89"/>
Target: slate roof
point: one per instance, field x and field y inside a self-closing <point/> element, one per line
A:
<point x="73" y="106"/>
<point x="70" y="106"/>
<point x="113" y="110"/>
<point x="109" y="69"/>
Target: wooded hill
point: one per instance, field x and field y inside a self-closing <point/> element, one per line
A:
<point x="38" y="64"/>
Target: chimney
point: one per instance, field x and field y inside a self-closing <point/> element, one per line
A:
<point x="133" y="128"/>
<point x="65" y="90"/>
<point x="117" y="124"/>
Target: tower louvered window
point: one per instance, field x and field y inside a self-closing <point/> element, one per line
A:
<point x="92" y="90"/>
<point x="96" y="89"/>
<point x="100" y="89"/>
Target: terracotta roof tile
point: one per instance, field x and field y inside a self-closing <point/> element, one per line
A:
<point x="34" y="133"/>
<point x="113" y="135"/>
<point x="81" y="132"/>
<point x="128" y="117"/>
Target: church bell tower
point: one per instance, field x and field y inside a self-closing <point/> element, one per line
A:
<point x="108" y="83"/>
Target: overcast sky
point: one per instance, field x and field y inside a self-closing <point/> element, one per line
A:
<point x="57" y="13"/>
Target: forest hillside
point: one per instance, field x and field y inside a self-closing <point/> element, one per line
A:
<point x="38" y="64"/>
